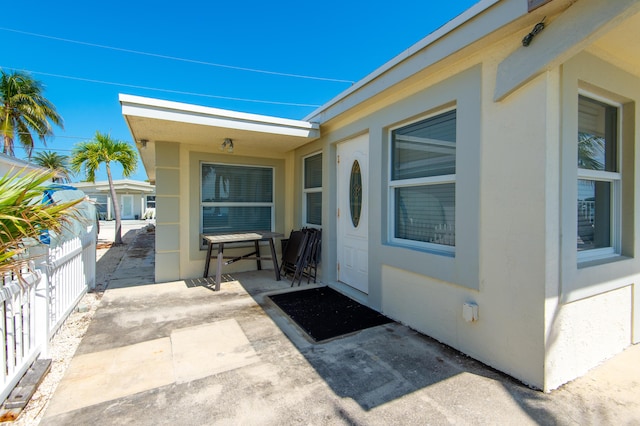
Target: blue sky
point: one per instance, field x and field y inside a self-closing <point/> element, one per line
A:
<point x="58" y="42"/>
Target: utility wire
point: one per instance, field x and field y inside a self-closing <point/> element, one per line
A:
<point x="52" y="136"/>
<point x="174" y="58"/>
<point x="179" y="92"/>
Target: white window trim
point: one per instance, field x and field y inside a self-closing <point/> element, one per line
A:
<point x="615" y="178"/>
<point x="306" y="191"/>
<point x="431" y="180"/>
<point x="271" y="204"/>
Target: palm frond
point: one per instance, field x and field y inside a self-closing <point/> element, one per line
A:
<point x="55" y="162"/>
<point x="26" y="110"/>
<point x="24" y="216"/>
<point x="89" y="155"/>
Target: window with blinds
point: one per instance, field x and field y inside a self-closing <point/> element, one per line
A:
<point x="422" y="182"/>
<point x="236" y="198"/>
<point x="312" y="191"/>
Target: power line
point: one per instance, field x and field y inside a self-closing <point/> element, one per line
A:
<point x="54" y="136"/>
<point x="175" y="58"/>
<point x="35" y="148"/>
<point x="179" y="92"/>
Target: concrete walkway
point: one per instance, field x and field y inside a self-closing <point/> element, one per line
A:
<point x="179" y="353"/>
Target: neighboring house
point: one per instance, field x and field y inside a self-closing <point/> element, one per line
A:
<point x="136" y="198"/>
<point x="450" y="184"/>
<point x="8" y="163"/>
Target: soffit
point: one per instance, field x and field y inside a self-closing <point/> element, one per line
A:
<point x="620" y="45"/>
<point x="154" y="120"/>
<point x="153" y="130"/>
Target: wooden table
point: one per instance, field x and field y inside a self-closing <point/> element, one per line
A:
<point x="240" y="237"/>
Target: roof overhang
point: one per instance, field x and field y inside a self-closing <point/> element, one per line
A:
<point x="154" y="120"/>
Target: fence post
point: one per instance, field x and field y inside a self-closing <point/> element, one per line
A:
<point x="42" y="312"/>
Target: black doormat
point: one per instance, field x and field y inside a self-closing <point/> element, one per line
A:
<point x="324" y="313"/>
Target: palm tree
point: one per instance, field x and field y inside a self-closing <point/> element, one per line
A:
<point x="55" y="162"/>
<point x="103" y="149"/>
<point x="24" y="216"/>
<point x="24" y="109"/>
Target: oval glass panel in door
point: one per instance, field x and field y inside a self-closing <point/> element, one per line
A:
<point x="355" y="193"/>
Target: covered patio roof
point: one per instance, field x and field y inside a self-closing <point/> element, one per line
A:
<point x="154" y="120"/>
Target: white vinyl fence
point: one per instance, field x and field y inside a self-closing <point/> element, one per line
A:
<point x="18" y="327"/>
<point x="70" y="272"/>
<point x="35" y="303"/>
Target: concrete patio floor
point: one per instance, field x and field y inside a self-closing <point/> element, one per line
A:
<point x="180" y="353"/>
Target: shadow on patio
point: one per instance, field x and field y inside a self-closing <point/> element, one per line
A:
<point x="180" y="353"/>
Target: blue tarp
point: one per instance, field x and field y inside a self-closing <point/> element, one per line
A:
<point x="84" y="220"/>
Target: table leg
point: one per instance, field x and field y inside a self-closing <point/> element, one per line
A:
<point x="219" y="269"/>
<point x="275" y="259"/>
<point x="258" y="255"/>
<point x="208" y="260"/>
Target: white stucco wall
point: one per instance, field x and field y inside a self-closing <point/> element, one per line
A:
<point x="500" y="220"/>
<point x="529" y="323"/>
<point x="591" y="307"/>
<point x="192" y="259"/>
<point x="584" y="333"/>
<point x="169" y="208"/>
<point x="178" y="252"/>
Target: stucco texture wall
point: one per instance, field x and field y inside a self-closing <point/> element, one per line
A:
<point x="168" y="206"/>
<point x="178" y="251"/>
<point x="542" y="318"/>
<point x="501" y="190"/>
<point x="592" y="307"/>
<point x="193" y="256"/>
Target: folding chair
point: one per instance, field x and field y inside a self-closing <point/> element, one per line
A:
<point x="312" y="255"/>
<point x="293" y="254"/>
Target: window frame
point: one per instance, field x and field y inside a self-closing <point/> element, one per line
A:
<point x="203" y="204"/>
<point x="392" y="185"/>
<point x="310" y="190"/>
<point x="615" y="178"/>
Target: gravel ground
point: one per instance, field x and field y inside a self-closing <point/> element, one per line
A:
<point x="68" y="337"/>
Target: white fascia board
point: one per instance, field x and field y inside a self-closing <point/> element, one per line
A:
<point x="441" y="32"/>
<point x="194" y="114"/>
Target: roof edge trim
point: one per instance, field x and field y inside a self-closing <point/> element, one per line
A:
<point x="161" y="107"/>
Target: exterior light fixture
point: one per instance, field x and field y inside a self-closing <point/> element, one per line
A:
<point x="143" y="143"/>
<point x="228" y="145"/>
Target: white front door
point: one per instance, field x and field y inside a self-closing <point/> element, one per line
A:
<point x="126" y="209"/>
<point x="353" y="218"/>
